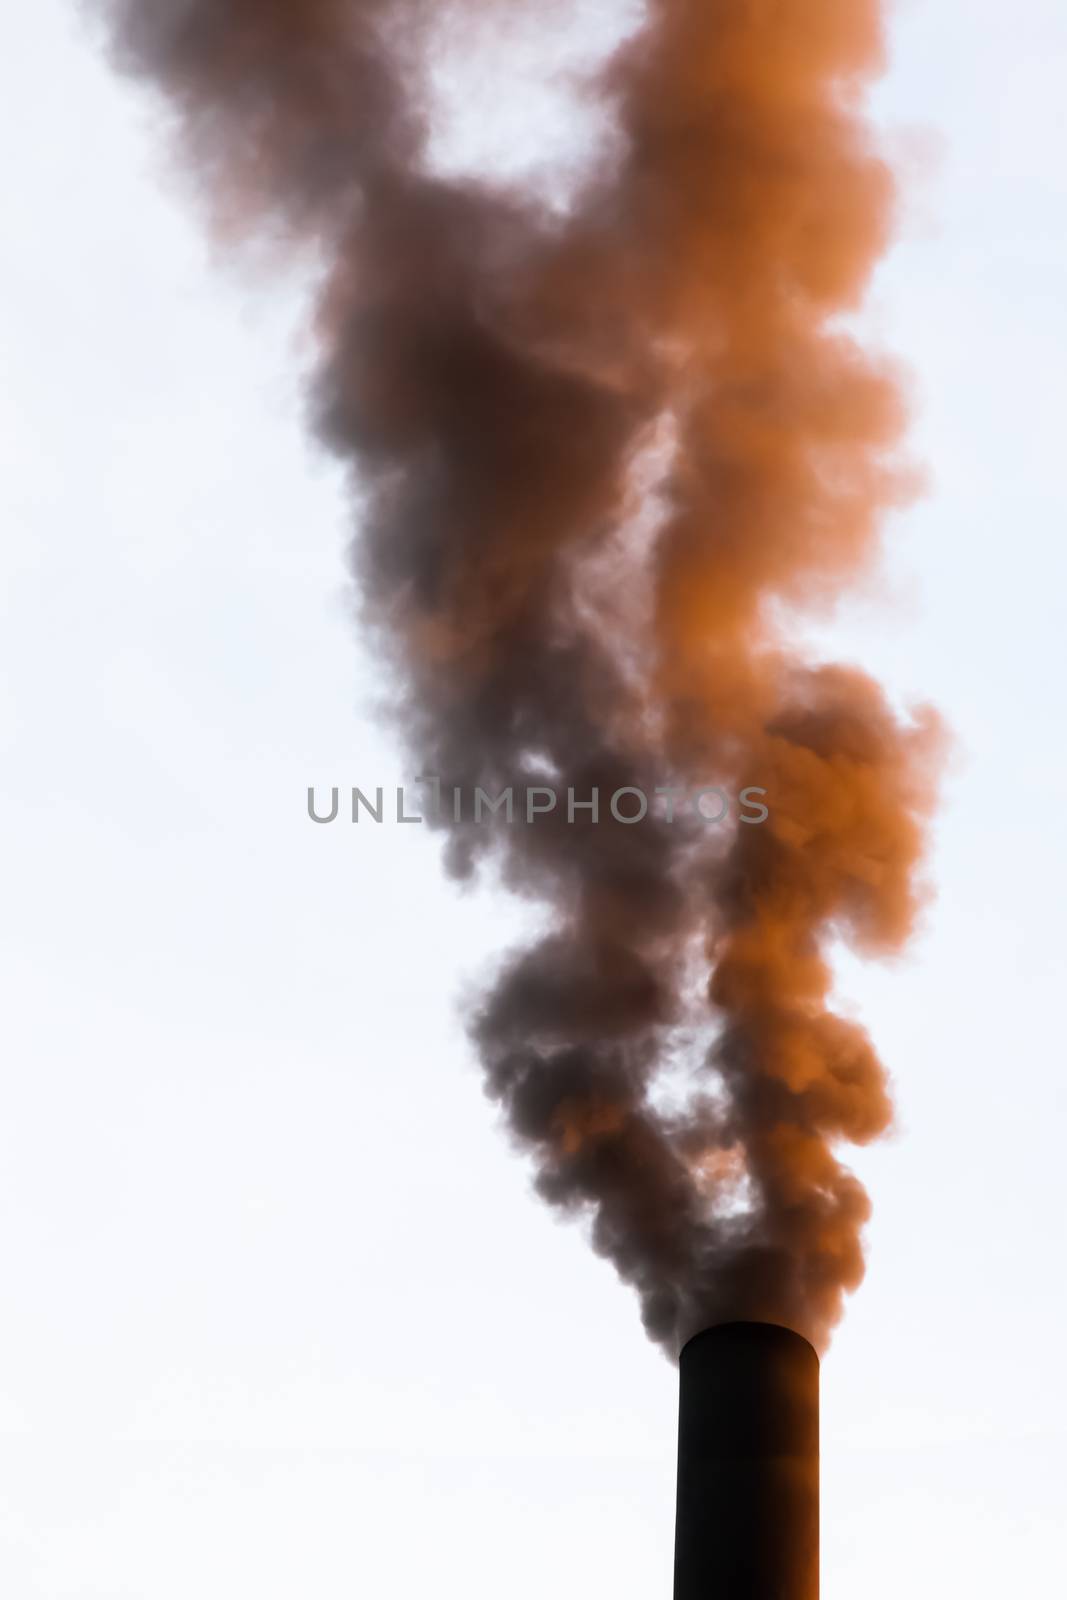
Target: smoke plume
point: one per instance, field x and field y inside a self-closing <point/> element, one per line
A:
<point x="604" y="456"/>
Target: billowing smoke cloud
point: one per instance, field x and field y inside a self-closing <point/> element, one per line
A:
<point x="602" y="457"/>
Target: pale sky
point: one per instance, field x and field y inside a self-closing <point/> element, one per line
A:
<point x="279" y="1315"/>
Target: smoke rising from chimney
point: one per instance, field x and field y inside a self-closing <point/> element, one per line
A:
<point x="602" y="455"/>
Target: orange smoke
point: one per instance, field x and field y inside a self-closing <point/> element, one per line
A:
<point x="515" y="393"/>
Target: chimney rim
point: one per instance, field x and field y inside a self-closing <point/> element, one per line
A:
<point x="752" y="1327"/>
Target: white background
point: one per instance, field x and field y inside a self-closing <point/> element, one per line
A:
<point x="278" y="1314"/>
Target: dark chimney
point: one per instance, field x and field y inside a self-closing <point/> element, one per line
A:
<point x="748" y="1466"/>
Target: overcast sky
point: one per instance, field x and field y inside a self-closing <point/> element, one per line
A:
<point x="279" y="1315"/>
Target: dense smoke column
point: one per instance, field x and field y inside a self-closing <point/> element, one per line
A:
<point x="514" y="392"/>
<point x="748" y="1466"/>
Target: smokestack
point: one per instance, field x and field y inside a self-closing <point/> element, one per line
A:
<point x="748" y="1466"/>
